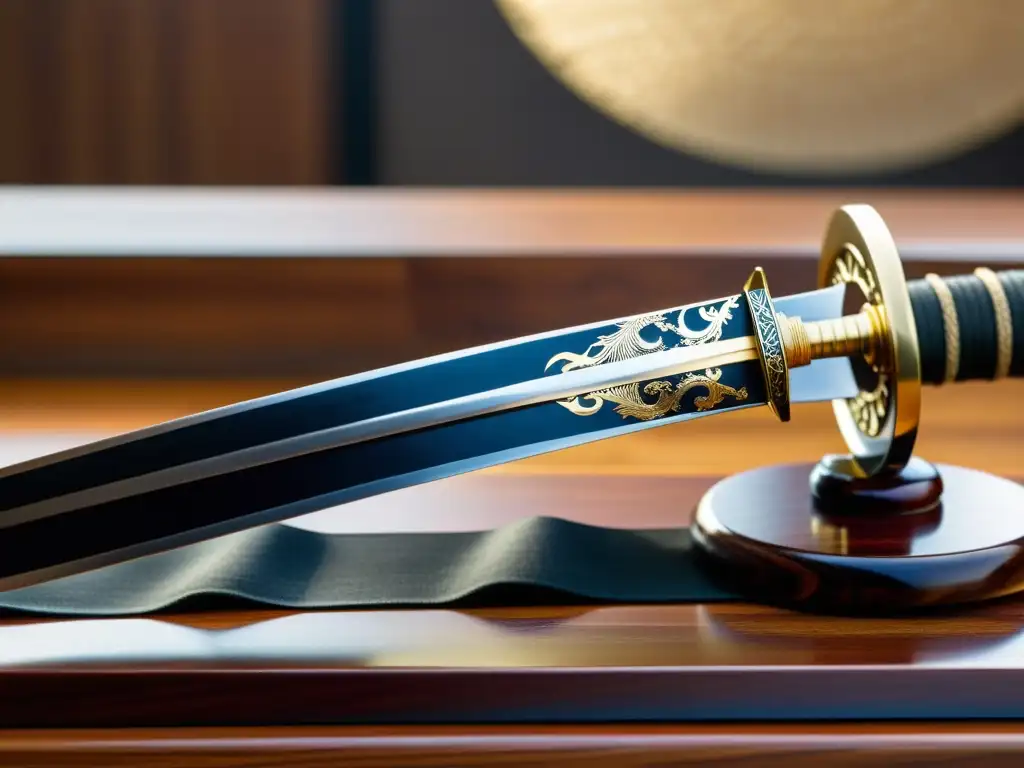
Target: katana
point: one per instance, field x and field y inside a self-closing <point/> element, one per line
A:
<point x="853" y="341"/>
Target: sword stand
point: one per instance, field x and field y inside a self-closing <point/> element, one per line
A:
<point x="809" y="536"/>
<point x="880" y="530"/>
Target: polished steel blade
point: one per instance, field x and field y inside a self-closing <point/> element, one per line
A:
<point x="810" y="383"/>
<point x="541" y="390"/>
<point x="822" y="380"/>
<point x="302" y="451"/>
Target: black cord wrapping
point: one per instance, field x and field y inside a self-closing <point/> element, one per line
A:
<point x="931" y="337"/>
<point x="1013" y="284"/>
<point x="976" y="322"/>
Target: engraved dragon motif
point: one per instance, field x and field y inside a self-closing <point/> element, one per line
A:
<point x="627" y="342"/>
<point x="623" y="344"/>
<point x="631" y="404"/>
<point x="715" y="317"/>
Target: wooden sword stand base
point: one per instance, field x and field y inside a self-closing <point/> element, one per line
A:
<point x="818" y="537"/>
<point x="880" y="530"/>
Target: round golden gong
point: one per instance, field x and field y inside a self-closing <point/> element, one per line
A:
<point x="806" y="86"/>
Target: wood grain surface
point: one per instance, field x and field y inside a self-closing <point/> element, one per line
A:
<point x="962" y="544"/>
<point x="776" y="746"/>
<point x="164" y="92"/>
<point x="200" y="668"/>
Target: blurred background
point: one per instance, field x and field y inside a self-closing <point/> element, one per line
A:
<point x="473" y="92"/>
<point x="468" y="171"/>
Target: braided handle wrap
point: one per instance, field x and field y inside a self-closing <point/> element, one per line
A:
<point x="970" y="326"/>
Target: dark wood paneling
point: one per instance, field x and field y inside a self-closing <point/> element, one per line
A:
<point x="163" y="91"/>
<point x="183" y="317"/>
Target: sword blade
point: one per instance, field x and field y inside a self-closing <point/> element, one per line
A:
<point x="535" y="391"/>
<point x="303" y="451"/>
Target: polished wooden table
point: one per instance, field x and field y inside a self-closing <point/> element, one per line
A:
<point x="750" y="684"/>
<point x="431" y="271"/>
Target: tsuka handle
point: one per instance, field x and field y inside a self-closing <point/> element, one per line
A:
<point x="970" y="326"/>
